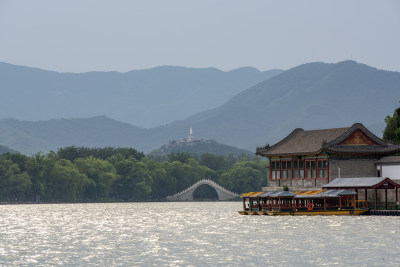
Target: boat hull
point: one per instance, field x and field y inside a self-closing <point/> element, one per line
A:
<point x="307" y="213"/>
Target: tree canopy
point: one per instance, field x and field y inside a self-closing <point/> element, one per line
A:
<point x="108" y="174"/>
<point x="392" y="130"/>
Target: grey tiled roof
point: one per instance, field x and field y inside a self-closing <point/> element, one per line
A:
<point x="372" y="149"/>
<point x="354" y="182"/>
<point x="282" y="194"/>
<point x="301" y="142"/>
<point x="389" y="159"/>
<point x="329" y="193"/>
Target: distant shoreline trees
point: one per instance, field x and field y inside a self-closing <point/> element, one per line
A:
<point x="79" y="174"/>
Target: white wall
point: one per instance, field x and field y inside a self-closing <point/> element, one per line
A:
<point x="393" y="172"/>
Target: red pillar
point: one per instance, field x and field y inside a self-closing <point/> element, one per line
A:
<point x="270" y="172"/>
<point x="327" y="171"/>
<point x="279" y="203"/>
<point x="386" y="199"/>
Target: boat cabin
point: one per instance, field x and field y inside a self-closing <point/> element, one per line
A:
<point x="317" y="202"/>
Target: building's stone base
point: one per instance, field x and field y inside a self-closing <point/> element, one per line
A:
<point x="275" y="188"/>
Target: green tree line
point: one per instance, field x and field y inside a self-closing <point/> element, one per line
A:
<point x="76" y="174"/>
<point x="391" y="133"/>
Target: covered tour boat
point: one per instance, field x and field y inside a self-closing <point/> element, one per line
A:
<point x="321" y="202"/>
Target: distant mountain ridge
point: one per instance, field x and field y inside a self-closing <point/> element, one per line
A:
<point x="309" y="96"/>
<point x="4" y="149"/>
<point x="145" y="98"/>
<point x="42" y="136"/>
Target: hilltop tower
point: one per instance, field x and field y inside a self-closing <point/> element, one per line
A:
<point x="190" y="137"/>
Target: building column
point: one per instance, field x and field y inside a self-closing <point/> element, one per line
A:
<point x="386" y="207"/>
<point x="279" y="203"/>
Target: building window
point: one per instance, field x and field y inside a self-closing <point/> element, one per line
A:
<point x="323" y="168"/>
<point x="275" y="170"/>
<point x="298" y="169"/>
<point x="310" y="169"/>
<point x="286" y="169"/>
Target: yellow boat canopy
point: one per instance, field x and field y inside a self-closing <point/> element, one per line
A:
<point x="251" y="194"/>
<point x="304" y="193"/>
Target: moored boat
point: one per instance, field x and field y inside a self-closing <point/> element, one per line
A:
<point x="321" y="202"/>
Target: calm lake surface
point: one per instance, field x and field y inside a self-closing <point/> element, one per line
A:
<point x="189" y="234"/>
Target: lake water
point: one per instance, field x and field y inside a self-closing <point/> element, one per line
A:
<point x="189" y="234"/>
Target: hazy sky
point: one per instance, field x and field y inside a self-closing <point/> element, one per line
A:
<point x="79" y="36"/>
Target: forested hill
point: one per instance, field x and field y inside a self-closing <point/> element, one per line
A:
<point x="199" y="148"/>
<point x="4" y="149"/>
<point x="144" y="98"/>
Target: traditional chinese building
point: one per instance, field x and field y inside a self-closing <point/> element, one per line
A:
<point x="312" y="159"/>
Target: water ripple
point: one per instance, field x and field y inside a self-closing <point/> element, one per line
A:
<point x="189" y="234"/>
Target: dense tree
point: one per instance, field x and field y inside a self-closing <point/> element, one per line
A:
<point x="245" y="176"/>
<point x="162" y="185"/>
<point x="133" y="182"/>
<point x="39" y="168"/>
<point x="86" y="174"/>
<point x="14" y="184"/>
<point x="214" y="162"/>
<point x="20" y="159"/>
<point x="179" y="156"/>
<point x="101" y="173"/>
<point x="392" y="130"/>
<point x="65" y="182"/>
<point x="71" y="153"/>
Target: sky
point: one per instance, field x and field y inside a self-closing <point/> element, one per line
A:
<point x="97" y="35"/>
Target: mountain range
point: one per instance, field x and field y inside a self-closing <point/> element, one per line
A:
<point x="310" y="96"/>
<point x="145" y="98"/>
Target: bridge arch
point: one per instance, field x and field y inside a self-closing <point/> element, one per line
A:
<point x="187" y="194"/>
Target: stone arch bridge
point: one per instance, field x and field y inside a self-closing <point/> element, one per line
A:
<point x="187" y="194"/>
